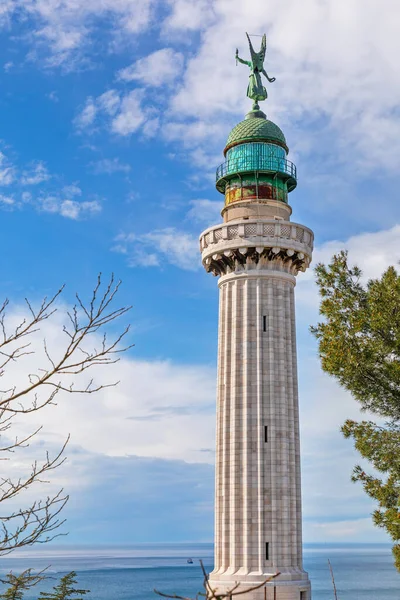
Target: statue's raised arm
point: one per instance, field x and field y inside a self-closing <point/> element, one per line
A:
<point x="255" y="90"/>
<point x="238" y="59"/>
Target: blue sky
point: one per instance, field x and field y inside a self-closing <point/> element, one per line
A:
<point x="112" y="121"/>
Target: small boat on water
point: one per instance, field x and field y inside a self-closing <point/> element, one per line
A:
<point x="189" y="561"/>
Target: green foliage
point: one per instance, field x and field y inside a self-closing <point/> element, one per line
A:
<point x="65" y="589"/>
<point x="359" y="341"/>
<point x="381" y="446"/>
<point x="359" y="344"/>
<point x="17" y="584"/>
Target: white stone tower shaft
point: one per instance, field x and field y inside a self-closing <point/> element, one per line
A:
<point x="258" y="478"/>
<point x="258" y="488"/>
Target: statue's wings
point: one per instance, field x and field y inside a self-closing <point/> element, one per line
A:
<point x="253" y="54"/>
<point x="257" y="58"/>
<point x="263" y="50"/>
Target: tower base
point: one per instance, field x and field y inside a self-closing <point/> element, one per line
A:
<point x="277" y="589"/>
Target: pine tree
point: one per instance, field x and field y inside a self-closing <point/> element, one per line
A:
<point x="65" y="589"/>
<point x="359" y="344"/>
<point x="19" y="583"/>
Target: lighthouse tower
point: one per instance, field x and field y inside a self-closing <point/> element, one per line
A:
<point x="256" y="253"/>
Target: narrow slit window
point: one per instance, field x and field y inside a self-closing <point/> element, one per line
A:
<point x="266" y="434"/>
<point x="267" y="551"/>
<point x="303" y="595"/>
<point x="264" y="323"/>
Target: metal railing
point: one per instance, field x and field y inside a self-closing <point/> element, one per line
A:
<point x="252" y="163"/>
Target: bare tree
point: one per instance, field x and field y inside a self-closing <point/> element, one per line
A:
<point x="212" y="594"/>
<point x="83" y="344"/>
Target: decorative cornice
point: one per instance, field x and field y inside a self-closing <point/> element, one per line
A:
<point x="248" y="246"/>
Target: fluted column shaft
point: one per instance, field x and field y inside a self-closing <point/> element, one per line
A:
<point x="258" y="487"/>
<point x="258" y="499"/>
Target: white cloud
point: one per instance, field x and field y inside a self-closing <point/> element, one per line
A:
<point x="131" y="115"/>
<point x="159" y="68"/>
<point x="72" y="190"/>
<point x="7" y="201"/>
<point x="159" y="409"/>
<point x="57" y="203"/>
<point x="7" y="8"/>
<point x="189" y="15"/>
<point x="66" y="28"/>
<point x="109" y="102"/>
<point x="70" y="209"/>
<point x="53" y="96"/>
<point x="87" y="116"/>
<point x="123" y="114"/>
<point x="110" y="165"/>
<point x="372" y="252"/>
<point x="151" y="127"/>
<point x="26" y="197"/>
<point x="201" y="142"/>
<point x="133" y="197"/>
<point x="37" y="174"/>
<point x="7" y="170"/>
<point x="76" y="210"/>
<point x="63" y="203"/>
<point x="158" y="247"/>
<point x="351" y="530"/>
<point x="191" y="133"/>
<point x="205" y="211"/>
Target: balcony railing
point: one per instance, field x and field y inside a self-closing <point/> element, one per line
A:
<point x="260" y="163"/>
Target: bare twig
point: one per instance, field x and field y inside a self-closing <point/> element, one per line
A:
<point x="333" y="579"/>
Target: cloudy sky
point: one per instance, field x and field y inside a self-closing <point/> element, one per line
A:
<point x="113" y="117"/>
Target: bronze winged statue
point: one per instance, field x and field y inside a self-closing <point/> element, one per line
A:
<point x="255" y="90"/>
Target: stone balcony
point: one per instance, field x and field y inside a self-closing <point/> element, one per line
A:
<point x="226" y="246"/>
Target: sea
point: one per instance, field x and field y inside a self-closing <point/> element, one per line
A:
<point x="361" y="571"/>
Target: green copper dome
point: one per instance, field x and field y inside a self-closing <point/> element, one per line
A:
<point x="256" y="129"/>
